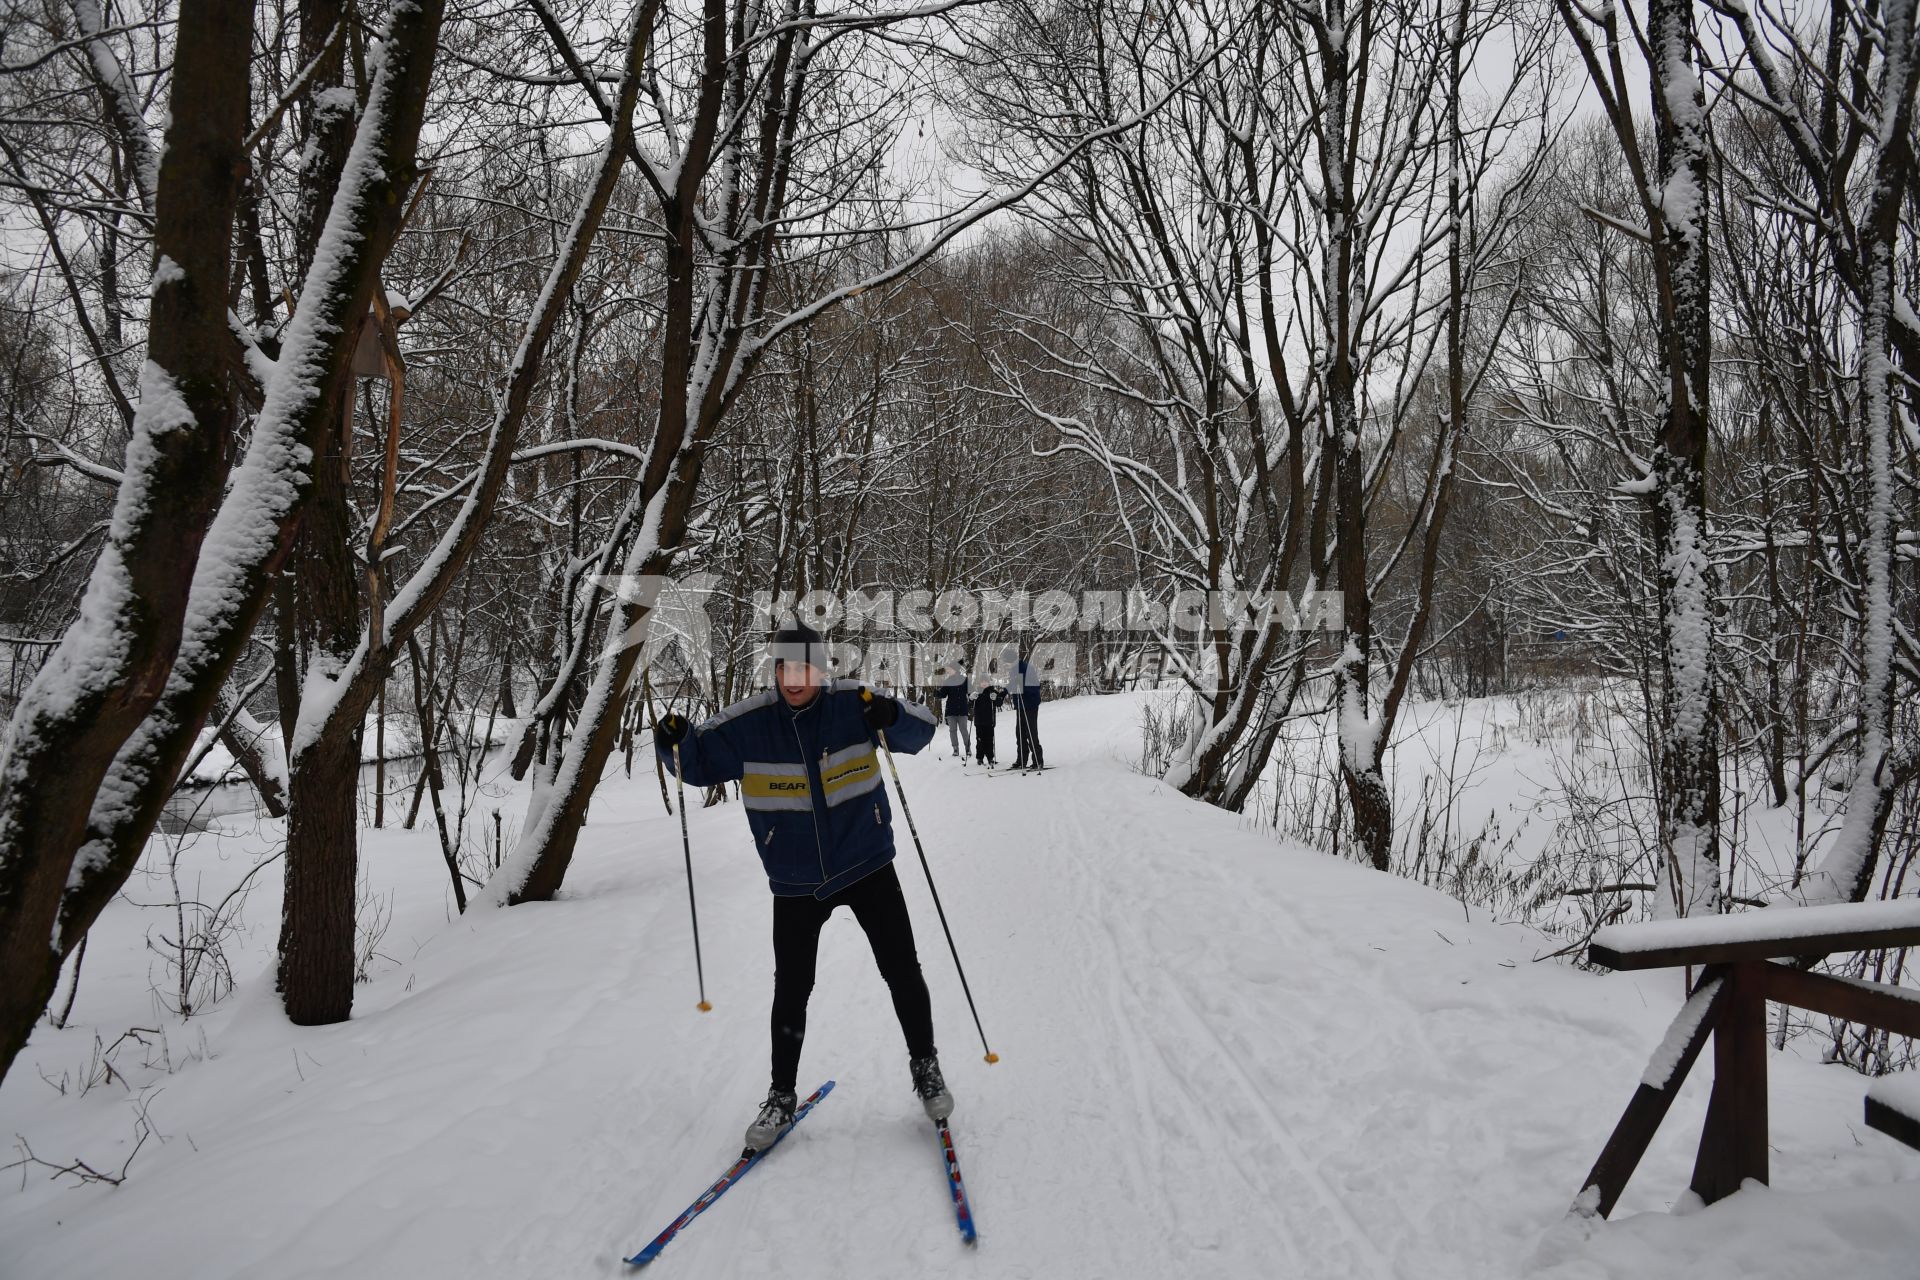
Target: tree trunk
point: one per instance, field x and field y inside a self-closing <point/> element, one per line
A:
<point x="506" y="684"/>
<point x="555" y="831"/>
<point x="316" y="970"/>
<point x="111" y="668"/>
<point x="262" y="506"/>
<point x="1846" y="873"/>
<point x="1352" y="674"/>
<point x="317" y="916"/>
<point x="1688" y="585"/>
<point x="430" y="765"/>
<point x="244" y="746"/>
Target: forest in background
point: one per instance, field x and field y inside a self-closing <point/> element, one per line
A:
<point x="351" y="355"/>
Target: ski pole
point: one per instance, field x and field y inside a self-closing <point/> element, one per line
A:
<point x="686" y="847"/>
<point x="866" y="695"/>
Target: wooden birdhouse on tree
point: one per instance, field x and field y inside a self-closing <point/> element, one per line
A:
<point x="371" y="358"/>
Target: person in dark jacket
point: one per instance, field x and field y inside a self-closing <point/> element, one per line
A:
<point x="953" y="702"/>
<point x="803" y="753"/>
<point x="1026" y="712"/>
<point x="986" y="705"/>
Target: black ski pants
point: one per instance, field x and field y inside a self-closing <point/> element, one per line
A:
<point x="983" y="740"/>
<point x="1027" y="736"/>
<point x="881" y="909"/>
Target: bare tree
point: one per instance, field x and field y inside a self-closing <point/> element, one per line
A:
<point x="1844" y="107"/>
<point x="1260" y="264"/>
<point x="1673" y="195"/>
<point x="96" y="744"/>
<point x="770" y="135"/>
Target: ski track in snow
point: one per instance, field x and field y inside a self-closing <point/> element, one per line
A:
<point x="1144" y="995"/>
<point x="1221" y="1057"/>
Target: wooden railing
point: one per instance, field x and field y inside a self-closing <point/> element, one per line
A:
<point x="1737" y="956"/>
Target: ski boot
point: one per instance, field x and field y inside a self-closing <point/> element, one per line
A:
<point x="776" y="1113"/>
<point x="927" y="1082"/>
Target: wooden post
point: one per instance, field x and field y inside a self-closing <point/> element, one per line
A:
<point x="1649" y="1106"/>
<point x="1733" y="1141"/>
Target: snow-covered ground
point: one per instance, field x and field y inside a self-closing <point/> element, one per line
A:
<point x="1221" y="1055"/>
<point x="1514" y="798"/>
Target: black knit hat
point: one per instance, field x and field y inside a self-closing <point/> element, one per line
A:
<point x="798" y="643"/>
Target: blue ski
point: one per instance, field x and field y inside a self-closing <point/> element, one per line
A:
<point x="747" y="1160"/>
<point x="962" y="1207"/>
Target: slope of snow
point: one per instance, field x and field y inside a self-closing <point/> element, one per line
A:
<point x="1220" y="1056"/>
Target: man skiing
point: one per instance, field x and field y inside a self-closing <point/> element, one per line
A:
<point x="953" y="699"/>
<point x="803" y="753"/>
<point x="1026" y="714"/>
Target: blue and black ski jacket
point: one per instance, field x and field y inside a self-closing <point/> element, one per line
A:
<point x="1027" y="686"/>
<point x="810" y="780"/>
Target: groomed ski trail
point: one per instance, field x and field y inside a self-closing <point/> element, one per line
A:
<point x="1221" y="1056"/>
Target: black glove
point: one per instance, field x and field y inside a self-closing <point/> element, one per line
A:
<point x="672" y="729"/>
<point x="880" y="711"/>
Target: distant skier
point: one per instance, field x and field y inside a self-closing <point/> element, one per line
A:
<point x="803" y="753"/>
<point x="986" y="706"/>
<point x="1026" y="718"/>
<point x="953" y="699"/>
